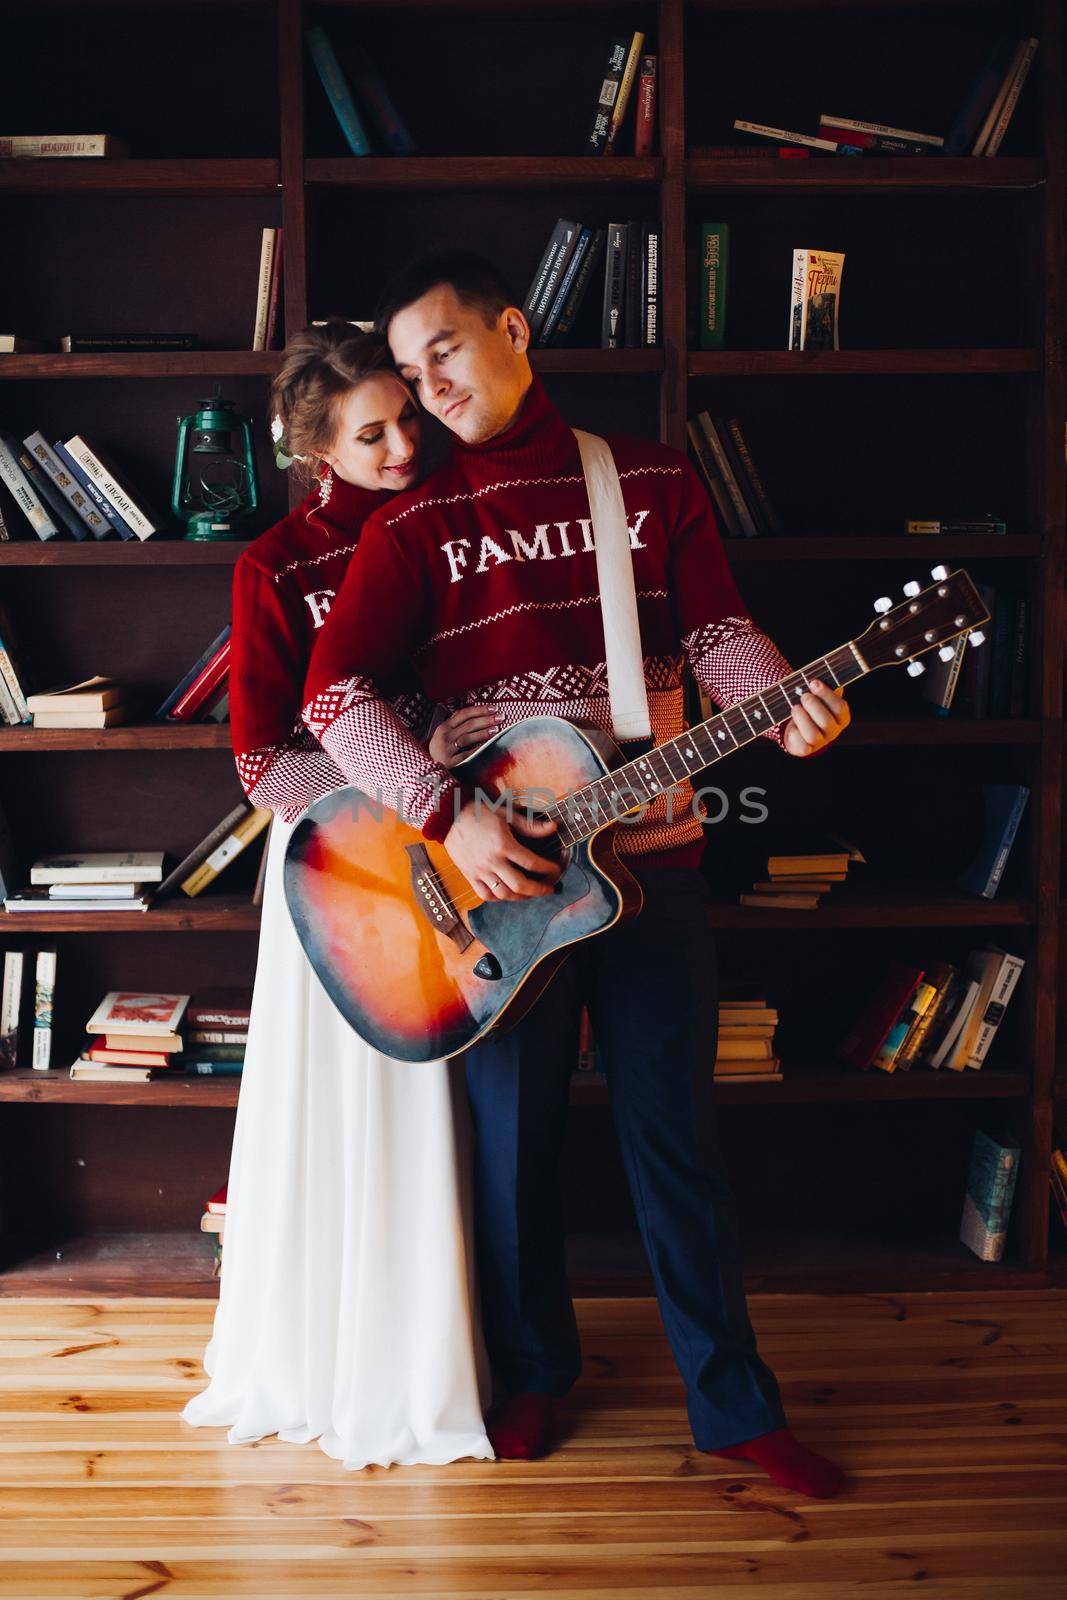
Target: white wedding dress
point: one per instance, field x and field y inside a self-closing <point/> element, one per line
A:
<point x="347" y="1309"/>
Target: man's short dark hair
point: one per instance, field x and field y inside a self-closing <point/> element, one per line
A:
<point x="476" y="281"/>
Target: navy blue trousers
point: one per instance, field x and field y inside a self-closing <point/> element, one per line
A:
<point x="652" y="990"/>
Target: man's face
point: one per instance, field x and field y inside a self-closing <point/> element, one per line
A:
<point x="470" y="374"/>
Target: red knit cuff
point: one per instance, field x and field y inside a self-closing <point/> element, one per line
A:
<point x="452" y="798"/>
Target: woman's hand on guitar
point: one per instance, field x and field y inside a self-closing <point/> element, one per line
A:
<point x="496" y="864"/>
<point x="819" y="717"/>
<point x="461" y="733"/>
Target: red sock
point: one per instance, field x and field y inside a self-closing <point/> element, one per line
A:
<point x="520" y="1427"/>
<point x="790" y="1463"/>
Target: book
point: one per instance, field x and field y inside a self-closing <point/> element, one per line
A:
<point x="112" y="518"/>
<point x="552" y="318"/>
<point x="108" y="483"/>
<point x="44" y="1004"/>
<point x="727" y="516"/>
<point x="961" y="137"/>
<point x="61" y="512"/>
<point x="622" y="98"/>
<point x="215" y="1068"/>
<point x="123" y="1011"/>
<point x="238" y="840"/>
<point x="714" y="267"/>
<point x="941" y="978"/>
<point x="612" y="325"/>
<point x="591" y="265"/>
<point x="62" y="146"/>
<point x="376" y="99"/>
<point x="218" y="1036"/>
<point x="216" y="1206"/>
<point x="550" y="271"/>
<point x="16" y="344"/>
<point x="88" y="694"/>
<point x="214" y="1052"/>
<point x="882" y="129"/>
<point x="92" y="520"/>
<point x="82" y="719"/>
<point x="1007" y="107"/>
<point x="337" y="92"/>
<point x="267" y="244"/>
<point x="758" y="501"/>
<point x="126" y="1058"/>
<point x="607" y="95"/>
<point x="631" y="310"/>
<point x="41" y="900"/>
<point x="966" y="994"/>
<point x="894" y="993"/>
<point x="12" y="1002"/>
<point x="12" y="674"/>
<point x="814" y="311"/>
<point x="1004" y="807"/>
<point x="1008" y="971"/>
<point x="955" y="525"/>
<point x="761" y="130"/>
<point x="101" y="866"/>
<point x="937" y="686"/>
<point x="199" y="853"/>
<point x="108" y="1073"/>
<point x="650" y="287"/>
<point x="209" y="682"/>
<point x="167" y="1043"/>
<point x="194" y="672"/>
<point x="22" y="490"/>
<point x="889" y="1053"/>
<point x="261" y="874"/>
<point x="222" y="1005"/>
<point x="274" y="299"/>
<point x="987" y="1203"/>
<point x="131" y="344"/>
<point x="645" y="132"/>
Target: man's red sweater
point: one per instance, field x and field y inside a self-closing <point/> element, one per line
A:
<point x="283" y="587"/>
<point x="484" y="578"/>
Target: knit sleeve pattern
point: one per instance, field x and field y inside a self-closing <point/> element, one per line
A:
<point x="732" y="659"/>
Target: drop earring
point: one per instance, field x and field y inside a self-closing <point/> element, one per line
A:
<point x="325" y="488"/>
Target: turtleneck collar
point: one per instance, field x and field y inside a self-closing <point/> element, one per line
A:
<point x="537" y="439"/>
<point x="347" y="507"/>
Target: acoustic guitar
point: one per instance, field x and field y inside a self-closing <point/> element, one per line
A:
<point x="418" y="965"/>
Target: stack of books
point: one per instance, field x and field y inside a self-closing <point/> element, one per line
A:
<point x="103" y="880"/>
<point x="990" y="682"/>
<point x="204" y="692"/>
<point x="745" y="1050"/>
<point x="623" y="258"/>
<point x="213" y="1222"/>
<point x="91" y="703"/>
<point x="725" y="462"/>
<point x="801" y="870"/>
<point x="133" y="1037"/>
<point x="942" y="1017"/>
<point x="218" y="1032"/>
<point x="68" y="487"/>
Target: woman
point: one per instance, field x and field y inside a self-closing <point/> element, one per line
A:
<point x="347" y="1310"/>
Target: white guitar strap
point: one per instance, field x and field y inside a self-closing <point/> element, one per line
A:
<point x="627" y="693"/>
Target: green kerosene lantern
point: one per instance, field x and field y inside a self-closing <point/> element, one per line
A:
<point x="214" y="471"/>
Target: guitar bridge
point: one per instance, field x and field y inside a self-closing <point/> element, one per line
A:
<point x="433" y="900"/>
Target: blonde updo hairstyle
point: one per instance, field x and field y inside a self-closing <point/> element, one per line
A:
<point x="320" y="366"/>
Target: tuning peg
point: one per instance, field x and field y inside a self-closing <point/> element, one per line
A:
<point x="976" y="636"/>
<point x="911" y="588"/>
<point x="884" y="604"/>
<point x="939" y="574"/>
<point x="915" y="669"/>
<point x="946" y="652"/>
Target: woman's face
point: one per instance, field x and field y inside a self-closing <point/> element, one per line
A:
<point x="377" y="441"/>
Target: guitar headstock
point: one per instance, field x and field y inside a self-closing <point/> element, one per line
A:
<point x="929" y="617"/>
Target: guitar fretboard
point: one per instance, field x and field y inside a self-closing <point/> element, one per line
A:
<point x="584" y="812"/>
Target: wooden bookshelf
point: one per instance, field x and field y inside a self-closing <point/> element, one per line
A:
<point x="965" y="397"/>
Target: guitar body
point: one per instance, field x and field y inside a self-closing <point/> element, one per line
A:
<point x="370" y="898"/>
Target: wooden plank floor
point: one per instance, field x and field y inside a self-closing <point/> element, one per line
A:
<point x="948" y="1410"/>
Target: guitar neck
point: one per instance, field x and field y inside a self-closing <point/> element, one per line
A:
<point x="582" y="814"/>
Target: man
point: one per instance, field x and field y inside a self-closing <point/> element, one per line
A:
<point x="485" y="578"/>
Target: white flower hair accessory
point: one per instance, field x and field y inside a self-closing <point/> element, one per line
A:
<point x="282" y="458"/>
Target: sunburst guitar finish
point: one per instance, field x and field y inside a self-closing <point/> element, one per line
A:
<point x="396" y="934"/>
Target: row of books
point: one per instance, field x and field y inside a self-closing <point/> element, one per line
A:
<point x="376" y="106"/>
<point x="978" y="129"/>
<point x="102" y="881"/>
<point x="266" y="330"/>
<point x="735" y="485"/>
<point x="745" y="1047"/>
<point x="814" y="297"/>
<point x="27" y="1008"/>
<point x="68" y="487"/>
<point x="941" y="1016"/>
<point x="622" y="258"/>
<point x="989" y="682"/>
<point x="203" y="691"/>
<point x="136" y="1037"/>
<point x="627" y="69"/>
